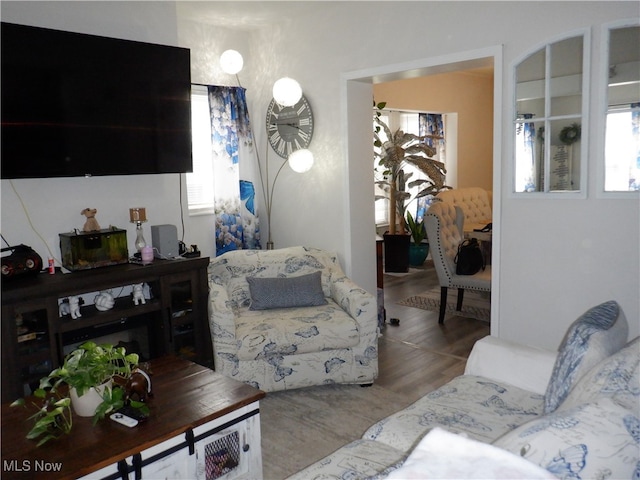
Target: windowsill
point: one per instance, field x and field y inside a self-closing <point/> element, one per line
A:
<point x="197" y="212"/>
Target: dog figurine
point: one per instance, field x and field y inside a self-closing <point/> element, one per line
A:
<point x="71" y="306"/>
<point x="138" y="296"/>
<point x="91" y="225"/>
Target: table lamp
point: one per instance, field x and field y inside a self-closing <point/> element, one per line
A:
<point x="138" y="216"/>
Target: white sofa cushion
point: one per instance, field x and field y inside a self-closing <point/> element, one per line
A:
<point x="444" y="455"/>
<point x="617" y="377"/>
<point x="593" y="440"/>
<point x="477" y="406"/>
<point x="595" y="335"/>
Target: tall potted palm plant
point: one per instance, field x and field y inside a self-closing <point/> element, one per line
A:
<point x="393" y="151"/>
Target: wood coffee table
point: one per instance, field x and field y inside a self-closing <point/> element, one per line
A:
<point x="201" y="425"/>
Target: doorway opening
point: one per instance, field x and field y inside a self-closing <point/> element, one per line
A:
<point x="358" y="88"/>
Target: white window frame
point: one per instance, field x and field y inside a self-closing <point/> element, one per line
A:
<point x="603" y="107"/>
<point x="547" y="118"/>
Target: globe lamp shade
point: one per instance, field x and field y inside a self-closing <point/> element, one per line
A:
<point x="231" y="61"/>
<point x="287" y="92"/>
<point x="301" y="160"/>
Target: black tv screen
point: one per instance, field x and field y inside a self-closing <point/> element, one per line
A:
<point x="84" y="105"/>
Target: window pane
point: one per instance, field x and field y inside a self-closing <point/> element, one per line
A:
<point x="381" y="205"/>
<point x="622" y="134"/>
<point x="408" y="122"/>
<point x="200" y="182"/>
<point x="530" y="75"/>
<point x="564" y="155"/>
<point x="548" y="118"/>
<point x="529" y="142"/>
<point x="566" y="77"/>
<point x="622" y="172"/>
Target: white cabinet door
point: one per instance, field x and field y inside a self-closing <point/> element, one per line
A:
<point x="227" y="448"/>
<point x="231" y="453"/>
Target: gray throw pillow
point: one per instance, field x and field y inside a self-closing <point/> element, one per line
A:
<point x="594" y="336"/>
<point x="286" y="292"/>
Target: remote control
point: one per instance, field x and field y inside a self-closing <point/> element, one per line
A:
<point x="135" y="413"/>
<point x="124" y="420"/>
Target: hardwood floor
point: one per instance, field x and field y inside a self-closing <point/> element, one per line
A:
<point x="420" y="355"/>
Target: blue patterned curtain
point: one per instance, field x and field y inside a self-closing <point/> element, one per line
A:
<point x="430" y="124"/>
<point x="236" y="218"/>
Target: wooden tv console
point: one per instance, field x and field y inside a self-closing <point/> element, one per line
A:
<point x="172" y="321"/>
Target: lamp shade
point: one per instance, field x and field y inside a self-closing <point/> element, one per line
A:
<point x="301" y="160"/>
<point x="231" y="61"/>
<point x="287" y="92"/>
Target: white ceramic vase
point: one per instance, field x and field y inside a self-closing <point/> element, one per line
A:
<point x="86" y="405"/>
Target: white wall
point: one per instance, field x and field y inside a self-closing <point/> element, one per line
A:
<point x="557" y="258"/>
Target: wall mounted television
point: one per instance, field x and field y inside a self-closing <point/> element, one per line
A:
<point x="83" y="105"/>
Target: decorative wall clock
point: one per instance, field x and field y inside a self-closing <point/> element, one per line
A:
<point x="289" y="128"/>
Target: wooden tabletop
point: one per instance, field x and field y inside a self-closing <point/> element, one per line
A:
<point x="185" y="395"/>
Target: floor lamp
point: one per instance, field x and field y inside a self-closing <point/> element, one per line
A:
<point x="286" y="92"/>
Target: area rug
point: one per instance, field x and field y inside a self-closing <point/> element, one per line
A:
<point x="299" y="427"/>
<point x="475" y="305"/>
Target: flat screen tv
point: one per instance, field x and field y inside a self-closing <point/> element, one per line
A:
<point x="84" y="105"/>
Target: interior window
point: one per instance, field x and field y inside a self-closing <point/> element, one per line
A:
<point x="622" y="130"/>
<point x="548" y="123"/>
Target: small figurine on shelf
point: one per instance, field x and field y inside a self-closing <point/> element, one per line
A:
<point x="91" y="225"/>
<point x="71" y="306"/>
<point x="138" y="295"/>
<point x="104" y="301"/>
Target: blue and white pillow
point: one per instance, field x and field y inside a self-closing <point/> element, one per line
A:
<point x="593" y="440"/>
<point x="595" y="335"/>
<point x="617" y="377"/>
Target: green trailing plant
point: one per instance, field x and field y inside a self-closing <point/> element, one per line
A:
<point x="392" y="155"/>
<point x="89" y="365"/>
<point x="53" y="418"/>
<point x="416" y="229"/>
